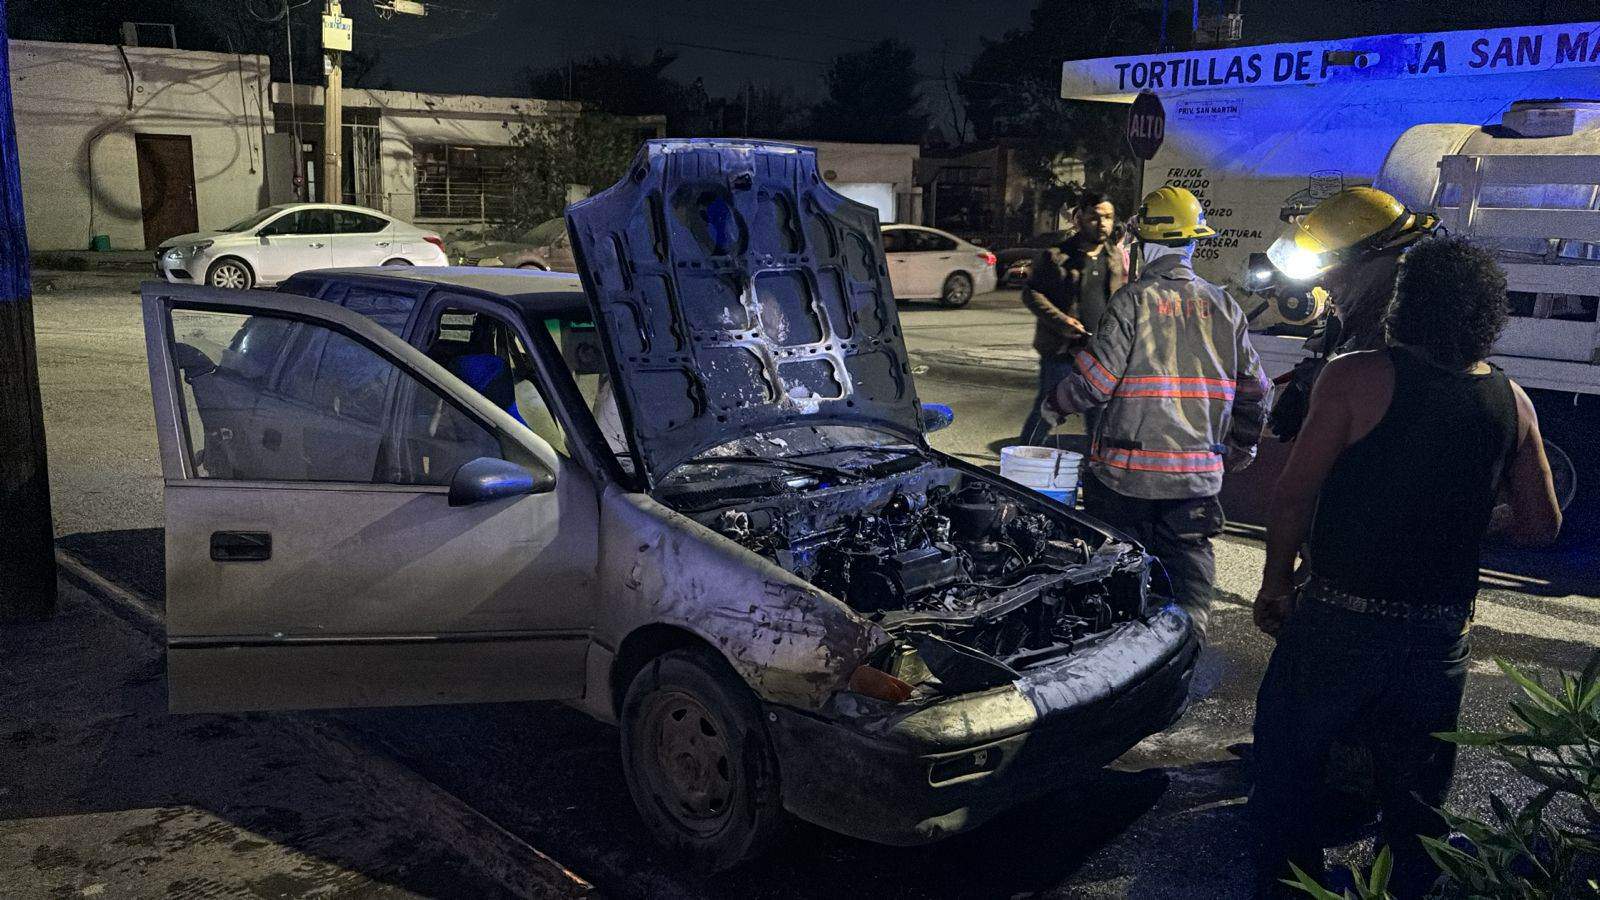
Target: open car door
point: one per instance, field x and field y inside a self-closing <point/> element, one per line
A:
<point x="347" y="524"/>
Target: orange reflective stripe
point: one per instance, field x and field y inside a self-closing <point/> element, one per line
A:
<point x="1177" y="461"/>
<point x="1176" y="379"/>
<point x="1092" y="369"/>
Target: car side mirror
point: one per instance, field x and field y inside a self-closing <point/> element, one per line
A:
<point x="264" y="241"/>
<point x="487" y="478"/>
<point x="936" y="417"/>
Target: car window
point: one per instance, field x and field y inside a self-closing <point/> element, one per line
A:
<point x="349" y="222"/>
<point x="486" y="352"/>
<point x="321" y="418"/>
<point x="284" y="224"/>
<point x="301" y="221"/>
<point x="930" y="242"/>
<point x="314" y="221"/>
<point x="916" y="241"/>
<point x="894" y="241"/>
<point x="390" y="309"/>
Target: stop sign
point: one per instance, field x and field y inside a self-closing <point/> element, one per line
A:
<point x="1147" y="125"/>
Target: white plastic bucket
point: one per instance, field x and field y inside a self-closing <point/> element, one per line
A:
<point x="1047" y="470"/>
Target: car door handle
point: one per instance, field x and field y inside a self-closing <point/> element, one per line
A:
<point x="382" y="244"/>
<point x="240" y="546"/>
<point x="946" y="256"/>
<point x="317" y="246"/>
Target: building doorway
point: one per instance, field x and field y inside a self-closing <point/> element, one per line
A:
<point x="166" y="186"/>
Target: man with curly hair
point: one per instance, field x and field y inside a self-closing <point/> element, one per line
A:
<point x="1409" y="455"/>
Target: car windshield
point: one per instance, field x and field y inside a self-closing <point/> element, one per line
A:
<point x="254" y="219"/>
<point x="545" y="232"/>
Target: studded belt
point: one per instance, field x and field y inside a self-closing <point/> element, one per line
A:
<point x="1318" y="589"/>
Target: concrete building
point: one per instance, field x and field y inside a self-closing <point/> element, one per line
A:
<point x="982" y="193"/>
<point x="879" y="175"/>
<point x="136" y="143"/>
<point x="124" y="147"/>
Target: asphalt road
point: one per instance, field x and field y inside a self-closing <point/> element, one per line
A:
<point x="1164" y="822"/>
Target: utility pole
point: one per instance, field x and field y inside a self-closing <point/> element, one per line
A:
<point x="335" y="40"/>
<point x="27" y="539"/>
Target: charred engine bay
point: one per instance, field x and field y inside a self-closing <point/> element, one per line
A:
<point x="973" y="584"/>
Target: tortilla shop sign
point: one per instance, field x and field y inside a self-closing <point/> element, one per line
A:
<point x="1147" y="125"/>
<point x="1441" y="54"/>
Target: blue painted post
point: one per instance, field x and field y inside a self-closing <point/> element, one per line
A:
<point x="27" y="540"/>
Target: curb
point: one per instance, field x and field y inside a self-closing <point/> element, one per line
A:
<point x="521" y="868"/>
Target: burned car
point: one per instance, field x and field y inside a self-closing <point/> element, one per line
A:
<point x="691" y="495"/>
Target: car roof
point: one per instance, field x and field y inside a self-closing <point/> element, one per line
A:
<point x="540" y="295"/>
<point x="906" y="226"/>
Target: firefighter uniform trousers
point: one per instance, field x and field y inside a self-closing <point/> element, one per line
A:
<point x="1182" y="394"/>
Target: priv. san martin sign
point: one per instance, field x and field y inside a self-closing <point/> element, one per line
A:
<point x="1439" y="54"/>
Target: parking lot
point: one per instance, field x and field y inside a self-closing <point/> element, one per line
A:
<point x="1164" y="822"/>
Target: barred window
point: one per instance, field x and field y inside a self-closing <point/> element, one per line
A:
<point x="461" y="182"/>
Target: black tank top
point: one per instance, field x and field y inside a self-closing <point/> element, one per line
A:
<point x="1403" y="512"/>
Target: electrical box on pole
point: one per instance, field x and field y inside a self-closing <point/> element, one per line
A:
<point x="27" y="538"/>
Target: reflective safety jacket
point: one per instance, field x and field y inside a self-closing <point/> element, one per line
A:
<point x="1183" y="390"/>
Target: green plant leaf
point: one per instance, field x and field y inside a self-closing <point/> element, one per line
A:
<point x="1529" y="684"/>
<point x="1309" y="885"/>
<point x="1382" y="867"/>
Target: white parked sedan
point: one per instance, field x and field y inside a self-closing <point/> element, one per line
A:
<point x="927" y="264"/>
<point x="274" y="243"/>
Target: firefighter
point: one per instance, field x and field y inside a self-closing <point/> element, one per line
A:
<point x="1350" y="244"/>
<point x="1184" y="398"/>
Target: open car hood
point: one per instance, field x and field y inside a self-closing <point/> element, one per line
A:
<point x="737" y="293"/>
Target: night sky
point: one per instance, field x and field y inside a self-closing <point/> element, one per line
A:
<point x="487" y="43"/>
<point x="539" y="33"/>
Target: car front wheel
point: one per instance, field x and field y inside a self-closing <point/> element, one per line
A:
<point x="231" y="274"/>
<point x="698" y="761"/>
<point x="397" y="261"/>
<point x="957" y="291"/>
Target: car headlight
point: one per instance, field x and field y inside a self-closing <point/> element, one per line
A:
<point x="489" y="261"/>
<point x="188" y="249"/>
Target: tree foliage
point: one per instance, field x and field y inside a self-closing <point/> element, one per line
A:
<point x="1012" y="94"/>
<point x="551" y="155"/>
<point x="872" y="97"/>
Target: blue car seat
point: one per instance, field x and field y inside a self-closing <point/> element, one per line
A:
<point x="489" y="375"/>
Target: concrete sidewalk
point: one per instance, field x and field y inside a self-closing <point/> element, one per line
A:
<point x="103" y="793"/>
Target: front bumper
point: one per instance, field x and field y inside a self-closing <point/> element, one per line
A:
<point x="911" y="778"/>
<point x="179" y="270"/>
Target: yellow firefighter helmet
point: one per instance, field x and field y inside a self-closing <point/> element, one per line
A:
<point x="1346" y="226"/>
<point x="1171" y="215"/>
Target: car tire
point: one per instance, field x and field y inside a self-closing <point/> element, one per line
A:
<point x="698" y="760"/>
<point x="957" y="291"/>
<point x="397" y="261"/>
<point x="230" y="273"/>
<point x="533" y="265"/>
